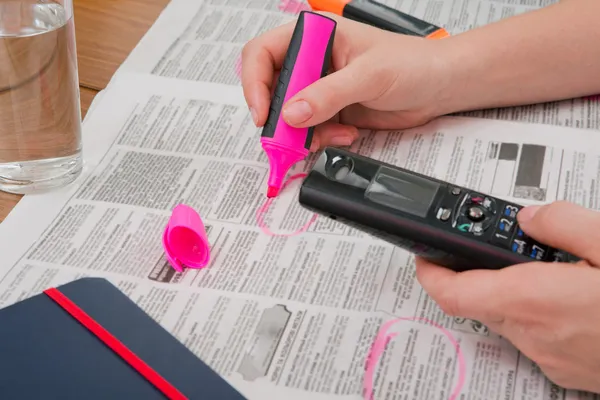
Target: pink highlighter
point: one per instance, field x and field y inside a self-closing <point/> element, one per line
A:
<point x="307" y="60"/>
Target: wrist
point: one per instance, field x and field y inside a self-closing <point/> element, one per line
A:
<point x="444" y="83"/>
<point x="476" y="74"/>
<point x="448" y="77"/>
<point x="518" y="61"/>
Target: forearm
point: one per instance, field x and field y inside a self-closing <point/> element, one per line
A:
<point x="545" y="55"/>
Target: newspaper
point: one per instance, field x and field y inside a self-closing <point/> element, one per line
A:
<point x="202" y="41"/>
<point x="280" y="316"/>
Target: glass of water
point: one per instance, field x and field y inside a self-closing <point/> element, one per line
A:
<point x="40" y="115"/>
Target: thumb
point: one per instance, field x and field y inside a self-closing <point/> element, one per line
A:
<point x="320" y="101"/>
<point x="565" y="226"/>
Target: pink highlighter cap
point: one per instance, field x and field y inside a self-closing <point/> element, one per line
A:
<point x="184" y="239"/>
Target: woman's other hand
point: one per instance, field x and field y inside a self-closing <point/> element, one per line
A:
<point x="549" y="311"/>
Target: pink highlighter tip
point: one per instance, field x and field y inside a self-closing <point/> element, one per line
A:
<point x="272" y="191"/>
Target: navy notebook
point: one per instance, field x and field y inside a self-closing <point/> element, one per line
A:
<point x="47" y="353"/>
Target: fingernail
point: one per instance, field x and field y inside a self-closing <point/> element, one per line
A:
<point x="297" y="112"/>
<point x="343" y="140"/>
<point x="527" y="213"/>
<point x="254" y="115"/>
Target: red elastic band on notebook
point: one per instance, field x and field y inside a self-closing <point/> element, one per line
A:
<point x="138" y="364"/>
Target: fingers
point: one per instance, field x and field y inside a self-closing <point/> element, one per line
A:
<point x="565" y="226"/>
<point x="476" y="294"/>
<point x="333" y="134"/>
<point x="317" y="103"/>
<point x="323" y="99"/>
<point x="261" y="57"/>
<point x="367" y="118"/>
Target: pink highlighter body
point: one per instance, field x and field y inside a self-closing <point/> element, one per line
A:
<point x="307" y="60"/>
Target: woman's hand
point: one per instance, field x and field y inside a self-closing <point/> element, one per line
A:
<point x="384" y="80"/>
<point x="380" y="80"/>
<point x="549" y="311"/>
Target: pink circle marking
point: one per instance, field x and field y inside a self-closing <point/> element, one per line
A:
<point x="260" y="213"/>
<point x="383" y="338"/>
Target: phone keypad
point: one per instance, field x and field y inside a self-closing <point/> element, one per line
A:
<point x="525" y="245"/>
<point x="476" y="215"/>
<point x="508" y="234"/>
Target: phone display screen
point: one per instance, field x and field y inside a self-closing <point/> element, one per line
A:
<point x="404" y="192"/>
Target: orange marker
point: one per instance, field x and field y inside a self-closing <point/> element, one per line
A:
<point x="380" y="16"/>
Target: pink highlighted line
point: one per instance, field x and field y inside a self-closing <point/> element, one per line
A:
<point x="383" y="338"/>
<point x="262" y="211"/>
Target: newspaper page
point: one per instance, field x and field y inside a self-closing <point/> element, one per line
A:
<point x="202" y="41"/>
<point x="283" y="315"/>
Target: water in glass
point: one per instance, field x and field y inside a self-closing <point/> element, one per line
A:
<point x="40" y="116"/>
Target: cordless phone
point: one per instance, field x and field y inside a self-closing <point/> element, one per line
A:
<point x="452" y="226"/>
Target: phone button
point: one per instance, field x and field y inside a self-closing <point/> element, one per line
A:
<point x="506" y="226"/>
<point x="444" y="214"/>
<point x="520" y="234"/>
<point x="501" y="239"/>
<point x="475" y="214"/>
<point x="519" y="246"/>
<point x="537" y="251"/>
<point x="510" y="211"/>
<point x="555" y="255"/>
